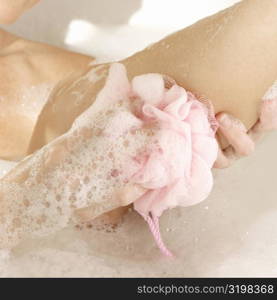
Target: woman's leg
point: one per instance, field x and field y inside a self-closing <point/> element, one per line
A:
<point x="229" y="58"/>
<point x="29" y="70"/>
<point x="198" y="67"/>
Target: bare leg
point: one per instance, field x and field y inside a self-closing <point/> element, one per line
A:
<point x="198" y="66"/>
<point x="229" y="58"/>
<point x="26" y="65"/>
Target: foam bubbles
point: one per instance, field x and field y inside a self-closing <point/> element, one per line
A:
<point x="83" y="168"/>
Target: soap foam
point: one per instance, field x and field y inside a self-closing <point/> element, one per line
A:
<point x="204" y="247"/>
<point x="83" y="168"/>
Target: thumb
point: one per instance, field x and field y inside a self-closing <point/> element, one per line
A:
<point x="130" y="193"/>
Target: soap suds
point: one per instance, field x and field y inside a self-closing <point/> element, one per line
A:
<point x="128" y="250"/>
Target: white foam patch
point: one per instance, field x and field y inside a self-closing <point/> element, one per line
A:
<point x="87" y="166"/>
<point x="236" y="236"/>
<point x="219" y="241"/>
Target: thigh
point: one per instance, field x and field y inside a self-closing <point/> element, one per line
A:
<point x="30" y="70"/>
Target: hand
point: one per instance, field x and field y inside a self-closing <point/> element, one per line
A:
<point x="242" y="142"/>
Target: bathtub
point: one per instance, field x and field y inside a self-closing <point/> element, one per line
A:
<point x="231" y="234"/>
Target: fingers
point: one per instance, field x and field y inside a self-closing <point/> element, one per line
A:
<point x="241" y="144"/>
<point x="130" y="193"/>
<point x="124" y="198"/>
<point x="112" y="217"/>
<point x="236" y="134"/>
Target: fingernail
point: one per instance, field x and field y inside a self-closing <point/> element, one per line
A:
<point x="224" y="120"/>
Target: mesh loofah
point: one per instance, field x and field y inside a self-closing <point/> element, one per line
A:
<point x="134" y="135"/>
